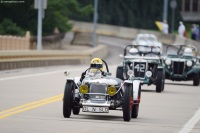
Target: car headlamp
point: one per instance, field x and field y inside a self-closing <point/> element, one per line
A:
<point x="168" y="62"/>
<point x="83" y="89"/>
<point x="148" y="74"/>
<point x="189" y="63"/>
<point x="111" y="91"/>
<point x="130" y="73"/>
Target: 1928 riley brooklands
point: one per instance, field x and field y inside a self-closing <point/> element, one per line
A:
<point x="144" y="58"/>
<point x="98" y="92"/>
<point x="182" y="64"/>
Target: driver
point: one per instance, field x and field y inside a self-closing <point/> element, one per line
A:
<point x="96" y="64"/>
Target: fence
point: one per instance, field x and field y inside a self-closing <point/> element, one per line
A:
<point x="14" y="42"/>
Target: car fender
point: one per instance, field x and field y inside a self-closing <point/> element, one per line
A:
<point x="76" y="79"/>
<point x="136" y="89"/>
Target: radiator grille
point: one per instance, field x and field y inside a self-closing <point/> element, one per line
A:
<point x="178" y="67"/>
<point x="98" y="88"/>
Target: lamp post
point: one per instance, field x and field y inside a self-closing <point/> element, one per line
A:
<point x="165" y="9"/>
<point x="95" y="23"/>
<point x="41" y="5"/>
<point x="173" y="5"/>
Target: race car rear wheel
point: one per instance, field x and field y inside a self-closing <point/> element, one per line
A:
<point x="135" y="108"/>
<point x="159" y="81"/>
<point x="76" y="107"/>
<point x="68" y="99"/>
<point x="119" y="73"/>
<point x="196" y="79"/>
<point x="128" y="102"/>
<point x="76" y="110"/>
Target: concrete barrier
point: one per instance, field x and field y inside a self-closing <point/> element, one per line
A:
<point x="130" y="33"/>
<point x="31" y="58"/>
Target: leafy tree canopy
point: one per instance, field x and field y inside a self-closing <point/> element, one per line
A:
<point x="56" y="15"/>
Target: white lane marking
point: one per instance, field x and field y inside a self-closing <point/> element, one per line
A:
<point x="191" y="123"/>
<point x="39" y="74"/>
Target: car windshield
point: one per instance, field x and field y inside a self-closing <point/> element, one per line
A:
<point x="93" y="73"/>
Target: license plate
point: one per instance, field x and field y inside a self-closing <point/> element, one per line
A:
<point x="95" y="109"/>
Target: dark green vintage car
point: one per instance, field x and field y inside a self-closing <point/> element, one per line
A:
<point x="182" y="64"/>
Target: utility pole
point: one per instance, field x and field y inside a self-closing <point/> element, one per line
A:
<point x="173" y="5"/>
<point x="39" y="32"/>
<point x="41" y="5"/>
<point x="165" y="9"/>
<point x="95" y="22"/>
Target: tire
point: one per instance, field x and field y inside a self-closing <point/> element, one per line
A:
<point x="76" y="110"/>
<point x="68" y="99"/>
<point x="76" y="107"/>
<point x="196" y="79"/>
<point x="159" y="81"/>
<point x="163" y="87"/>
<point x="119" y="73"/>
<point x="128" y="103"/>
<point x="135" y="108"/>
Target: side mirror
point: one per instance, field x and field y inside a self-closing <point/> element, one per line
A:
<point x="66" y="73"/>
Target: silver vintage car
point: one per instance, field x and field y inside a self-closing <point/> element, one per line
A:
<point x="98" y="92"/>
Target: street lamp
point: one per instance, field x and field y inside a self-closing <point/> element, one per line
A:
<point x="95" y="23"/>
<point x="173" y="5"/>
<point x="165" y="7"/>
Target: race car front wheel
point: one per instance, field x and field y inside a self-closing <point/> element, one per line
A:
<point x="196" y="79"/>
<point x="128" y="102"/>
<point x="68" y="99"/>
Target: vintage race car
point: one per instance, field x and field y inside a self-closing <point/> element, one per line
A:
<point x="145" y="61"/>
<point x="99" y="93"/>
<point x="182" y="64"/>
<point x="145" y="41"/>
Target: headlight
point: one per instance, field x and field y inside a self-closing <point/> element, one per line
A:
<point x="189" y="63"/>
<point x="111" y="91"/>
<point x="168" y="62"/>
<point x="130" y="73"/>
<point x="83" y="89"/>
<point x="148" y="74"/>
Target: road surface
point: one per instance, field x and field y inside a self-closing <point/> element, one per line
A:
<point x="31" y="102"/>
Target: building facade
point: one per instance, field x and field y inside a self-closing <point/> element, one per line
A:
<point x="191" y="10"/>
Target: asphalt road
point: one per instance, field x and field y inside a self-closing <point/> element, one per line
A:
<point x="24" y="107"/>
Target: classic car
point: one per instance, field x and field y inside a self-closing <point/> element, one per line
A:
<point x="145" y="61"/>
<point x="182" y="64"/>
<point x="99" y="92"/>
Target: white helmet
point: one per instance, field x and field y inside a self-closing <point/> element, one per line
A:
<point x="188" y="52"/>
<point x="133" y="51"/>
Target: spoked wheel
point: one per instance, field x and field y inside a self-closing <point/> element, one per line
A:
<point x="159" y="81"/>
<point x="128" y="102"/>
<point x="196" y="79"/>
<point x="68" y="99"/>
<point x="135" y="108"/>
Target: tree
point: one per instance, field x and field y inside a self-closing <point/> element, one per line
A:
<point x="57" y="14"/>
